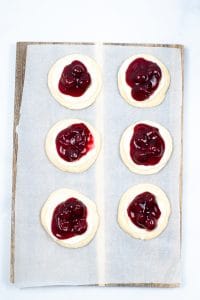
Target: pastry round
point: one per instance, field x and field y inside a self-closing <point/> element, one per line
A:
<point x="139" y="168"/>
<point x="124" y="220"/>
<point x="50" y="205"/>
<point x="157" y="96"/>
<point x="90" y="93"/>
<point x="81" y="164"/>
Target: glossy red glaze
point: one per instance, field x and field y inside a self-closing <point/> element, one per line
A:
<point x="144" y="211"/>
<point x="147" y="145"/>
<point x="74" y="142"/>
<point x="69" y="219"/>
<point x="143" y="77"/>
<point x="75" y="79"/>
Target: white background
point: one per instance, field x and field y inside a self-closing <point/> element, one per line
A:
<point x="149" y="21"/>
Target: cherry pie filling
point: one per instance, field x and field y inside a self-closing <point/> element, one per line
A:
<point x="144" y="211"/>
<point x="74" y="142"/>
<point x="143" y="77"/>
<point x="69" y="219"/>
<point x="147" y="145"/>
<point x="75" y="79"/>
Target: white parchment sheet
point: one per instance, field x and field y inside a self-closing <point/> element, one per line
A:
<point x="113" y="256"/>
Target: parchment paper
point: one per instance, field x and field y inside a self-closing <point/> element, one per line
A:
<point x="112" y="257"/>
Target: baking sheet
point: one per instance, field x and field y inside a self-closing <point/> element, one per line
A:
<point x="112" y="257"/>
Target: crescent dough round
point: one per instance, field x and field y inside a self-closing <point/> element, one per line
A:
<point x="159" y="94"/>
<point x="76" y="166"/>
<point x="125" y="149"/>
<point x="53" y="201"/>
<point x="125" y="222"/>
<point x="90" y="94"/>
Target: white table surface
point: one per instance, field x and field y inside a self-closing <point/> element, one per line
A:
<point x="141" y="21"/>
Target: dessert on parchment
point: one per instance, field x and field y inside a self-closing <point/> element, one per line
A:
<point x="143" y="80"/>
<point x="145" y="147"/>
<point x="70" y="218"/>
<point x="144" y="211"/>
<point x="75" y="81"/>
<point x="72" y="145"/>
